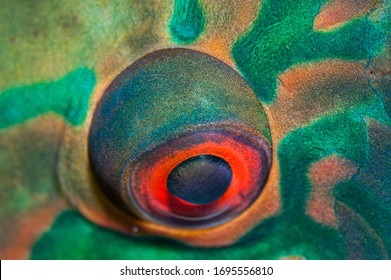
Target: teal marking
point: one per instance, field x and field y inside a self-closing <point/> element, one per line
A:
<point x="369" y="191"/>
<point x="283" y="36"/>
<point x="73" y="237"/>
<point x="187" y="21"/>
<point x="341" y="135"/>
<point x="68" y="97"/>
<point x="360" y="198"/>
<point x="346" y="135"/>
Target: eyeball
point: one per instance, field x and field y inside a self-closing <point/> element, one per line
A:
<point x="179" y="139"/>
<point x="205" y="177"/>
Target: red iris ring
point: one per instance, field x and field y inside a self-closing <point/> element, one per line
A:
<point x="248" y="156"/>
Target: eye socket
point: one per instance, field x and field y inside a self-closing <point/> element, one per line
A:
<point x="180" y="139"/>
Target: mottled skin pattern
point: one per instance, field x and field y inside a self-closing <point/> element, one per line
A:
<point x="320" y="70"/>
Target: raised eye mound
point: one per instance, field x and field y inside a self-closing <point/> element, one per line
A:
<point x="180" y="139"/>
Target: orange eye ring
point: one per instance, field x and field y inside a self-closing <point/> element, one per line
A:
<point x="145" y="180"/>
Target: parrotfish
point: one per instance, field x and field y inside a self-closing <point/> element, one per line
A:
<point x="195" y="129"/>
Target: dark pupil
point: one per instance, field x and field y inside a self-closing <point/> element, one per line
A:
<point x="201" y="179"/>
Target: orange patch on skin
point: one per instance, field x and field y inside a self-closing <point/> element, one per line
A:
<point x="297" y="79"/>
<point x="28" y="228"/>
<point x="219" y="48"/>
<point x="306" y="92"/>
<point x="222" y="30"/>
<point x="338" y="12"/>
<point x="324" y="175"/>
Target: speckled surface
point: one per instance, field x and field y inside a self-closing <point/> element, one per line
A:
<point x="317" y="71"/>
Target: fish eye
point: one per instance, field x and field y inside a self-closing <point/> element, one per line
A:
<point x="179" y="139"/>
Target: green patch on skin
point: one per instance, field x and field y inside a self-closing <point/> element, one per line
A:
<point x="283" y="236"/>
<point x="361" y="199"/>
<point x="294" y="233"/>
<point x="187" y="21"/>
<point x="283" y="36"/>
<point x="369" y="192"/>
<point x="343" y="134"/>
<point x="346" y="135"/>
<point x="68" y="97"/>
<point x="361" y="241"/>
<point x="73" y="237"/>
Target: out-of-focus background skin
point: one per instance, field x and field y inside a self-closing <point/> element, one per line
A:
<point x="320" y="69"/>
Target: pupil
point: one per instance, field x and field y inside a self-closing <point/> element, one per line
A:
<point x="200" y="180"/>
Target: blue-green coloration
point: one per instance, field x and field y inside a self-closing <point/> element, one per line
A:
<point x="73" y="237"/>
<point x="68" y="97"/>
<point x="345" y="135"/>
<point x="283" y="36"/>
<point x="187" y="21"/>
<point x="369" y="192"/>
